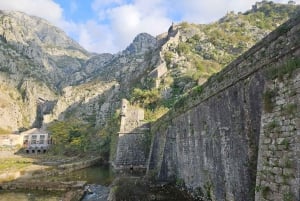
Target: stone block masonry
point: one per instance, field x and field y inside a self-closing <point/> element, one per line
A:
<point x="131" y="151"/>
<point x="278" y="176"/>
<point x="221" y="141"/>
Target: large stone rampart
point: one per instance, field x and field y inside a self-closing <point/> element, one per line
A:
<point x="211" y="139"/>
<point x="131" y="152"/>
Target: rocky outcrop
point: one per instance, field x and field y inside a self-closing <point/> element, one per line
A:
<point x="210" y="140"/>
<point x="47" y="52"/>
<point x="39" y="62"/>
<point x="36" y="57"/>
<point x="20" y="104"/>
<point x="141" y="44"/>
<point x="218" y="139"/>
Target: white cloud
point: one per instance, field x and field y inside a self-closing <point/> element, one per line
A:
<point x="128" y="20"/>
<point x="46" y="9"/>
<point x="202" y="11"/>
<point x="96" y="37"/>
<point x="119" y="21"/>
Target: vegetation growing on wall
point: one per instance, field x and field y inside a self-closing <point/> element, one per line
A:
<point x="286" y="68"/>
<point x="268" y="100"/>
<point x="203" y="50"/>
<point x="110" y="134"/>
<point x="151" y="100"/>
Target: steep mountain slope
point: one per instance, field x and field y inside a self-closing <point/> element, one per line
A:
<point x="226" y="138"/>
<point x="37" y="59"/>
<point x="39" y="62"/>
<point x="46" y="76"/>
<point x="44" y="51"/>
<point x="193" y="52"/>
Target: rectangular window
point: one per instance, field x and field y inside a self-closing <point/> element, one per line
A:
<point x="33" y="139"/>
<point x="42" y="139"/>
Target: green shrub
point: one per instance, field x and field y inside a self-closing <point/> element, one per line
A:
<point x="286" y="143"/>
<point x="70" y="137"/>
<point x="198" y="89"/>
<point x="208" y="189"/>
<point x="180" y="182"/>
<point x="184" y="25"/>
<point x="268" y="100"/>
<point x="265" y="191"/>
<point x="272" y="126"/>
<point x="288" y="196"/>
<point x="285" y="69"/>
<point x="288" y="163"/>
<point x="109" y="137"/>
<point x="289" y="109"/>
<point x="154" y="114"/>
<point x="145" y="98"/>
<point x="283" y="29"/>
<point x="168" y="56"/>
<point x="183" y="48"/>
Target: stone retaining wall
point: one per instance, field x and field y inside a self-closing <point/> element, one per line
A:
<point x="44" y="185"/>
<point x="210" y="141"/>
<point x="278" y="176"/>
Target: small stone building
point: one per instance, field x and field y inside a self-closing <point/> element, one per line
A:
<point x="35" y="140"/>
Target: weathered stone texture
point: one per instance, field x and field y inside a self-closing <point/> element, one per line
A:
<point x="279" y="157"/>
<point x="212" y="140"/>
<point x="210" y="145"/>
<point x="131" y="150"/>
<point x="131" y="118"/>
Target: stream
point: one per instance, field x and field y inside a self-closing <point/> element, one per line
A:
<point x="99" y="177"/>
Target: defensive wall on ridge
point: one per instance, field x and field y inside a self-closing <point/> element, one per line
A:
<point x="237" y="137"/>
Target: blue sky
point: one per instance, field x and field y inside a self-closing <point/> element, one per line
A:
<point x="110" y="25"/>
<point x="77" y="10"/>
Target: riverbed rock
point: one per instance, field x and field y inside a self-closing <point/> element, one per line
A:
<point x="96" y="193"/>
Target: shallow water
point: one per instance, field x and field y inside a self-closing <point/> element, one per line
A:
<point x="100" y="175"/>
<point x="99" y="178"/>
<point x="30" y="196"/>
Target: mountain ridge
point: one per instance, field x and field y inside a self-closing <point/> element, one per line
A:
<point x="152" y="72"/>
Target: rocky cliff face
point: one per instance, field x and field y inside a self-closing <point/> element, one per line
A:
<point x="46" y="76"/>
<point x="211" y="139"/>
<point x="46" y="53"/>
<point x="194" y="52"/>
<point x="38" y="60"/>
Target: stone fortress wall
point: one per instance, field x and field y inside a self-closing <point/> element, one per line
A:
<point x="131" y="148"/>
<point x="223" y="142"/>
